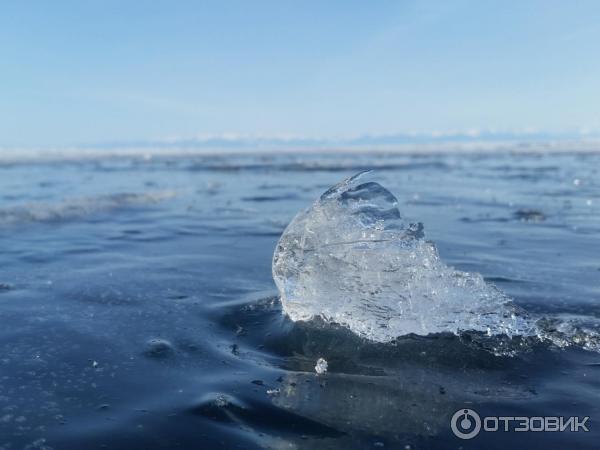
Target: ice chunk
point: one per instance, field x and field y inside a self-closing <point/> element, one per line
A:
<point x="352" y="259"/>
<point x="321" y="366"/>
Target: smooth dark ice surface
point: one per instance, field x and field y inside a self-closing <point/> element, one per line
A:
<point x="137" y="308"/>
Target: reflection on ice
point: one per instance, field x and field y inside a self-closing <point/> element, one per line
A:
<point x="411" y="388"/>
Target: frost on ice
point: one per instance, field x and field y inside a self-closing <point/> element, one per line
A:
<point x="352" y="259"/>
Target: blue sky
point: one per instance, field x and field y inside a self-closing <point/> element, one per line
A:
<point x="85" y="72"/>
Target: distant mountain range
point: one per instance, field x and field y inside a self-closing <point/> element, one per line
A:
<point x="365" y="141"/>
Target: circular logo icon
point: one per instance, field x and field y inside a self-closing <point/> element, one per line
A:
<point x="465" y="424"/>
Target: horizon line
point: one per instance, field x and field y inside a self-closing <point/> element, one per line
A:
<point x="232" y="140"/>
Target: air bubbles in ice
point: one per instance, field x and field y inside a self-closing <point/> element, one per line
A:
<point x="352" y="259"/>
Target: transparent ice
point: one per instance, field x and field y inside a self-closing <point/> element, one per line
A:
<point x="321" y="366"/>
<point x="353" y="260"/>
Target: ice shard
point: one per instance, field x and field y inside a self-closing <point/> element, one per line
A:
<point x="352" y="259"/>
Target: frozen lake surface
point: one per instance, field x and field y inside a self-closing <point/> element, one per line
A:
<point x="138" y="310"/>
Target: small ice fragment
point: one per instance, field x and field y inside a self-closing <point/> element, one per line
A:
<point x="321" y="366"/>
<point x="221" y="400"/>
<point x="158" y="348"/>
<point x="95" y="364"/>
